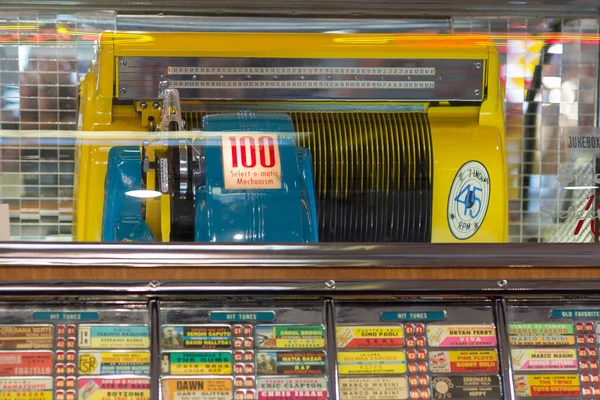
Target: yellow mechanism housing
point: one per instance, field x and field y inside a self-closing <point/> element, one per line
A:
<point x="406" y="132"/>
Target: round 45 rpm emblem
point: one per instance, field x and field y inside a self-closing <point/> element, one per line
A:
<point x="468" y="200"/>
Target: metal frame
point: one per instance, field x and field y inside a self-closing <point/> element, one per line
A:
<point x="329" y="289"/>
<point x="348" y="255"/>
<point x="494" y="293"/>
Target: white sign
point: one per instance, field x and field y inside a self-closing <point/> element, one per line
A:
<point x="251" y="161"/>
<point x="468" y="200"/>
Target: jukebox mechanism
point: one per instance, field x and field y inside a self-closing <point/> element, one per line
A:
<point x="292" y="138"/>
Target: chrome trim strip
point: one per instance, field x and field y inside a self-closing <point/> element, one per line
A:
<point x="42" y="254"/>
<point x="330" y="9"/>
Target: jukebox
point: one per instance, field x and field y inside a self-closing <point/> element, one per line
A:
<point x="343" y="138"/>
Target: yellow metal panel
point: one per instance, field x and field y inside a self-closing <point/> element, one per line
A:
<point x="92" y="172"/>
<point x="294" y="45"/>
<point x="458" y="138"/>
<point x="165" y="217"/>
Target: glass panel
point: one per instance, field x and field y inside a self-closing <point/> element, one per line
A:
<point x="468" y="128"/>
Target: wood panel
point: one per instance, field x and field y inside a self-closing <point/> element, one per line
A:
<point x="257" y="274"/>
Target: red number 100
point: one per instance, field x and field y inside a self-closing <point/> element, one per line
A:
<point x="247" y="150"/>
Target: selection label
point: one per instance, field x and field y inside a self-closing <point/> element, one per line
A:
<point x="110" y="388"/>
<point x="466" y="387"/>
<point x="460" y="361"/>
<point x="201" y="337"/>
<point x="197" y="363"/>
<point x="371" y="362"/>
<point x="356" y="337"/>
<point x="26" y="337"/>
<point x="547" y="385"/>
<point x="544" y="359"/>
<point x="26" y="388"/>
<point x="517" y="329"/>
<point x="461" y="335"/>
<point x="197" y="389"/>
<point x="114" y="337"/>
<point x="290" y="336"/>
<point x="374" y="388"/>
<point x="291" y="363"/>
<point x="114" y="363"/>
<point x="292" y="388"/>
<point x="26" y="363"/>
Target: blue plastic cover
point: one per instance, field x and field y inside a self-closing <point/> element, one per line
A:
<point x="259" y="215"/>
<point x="122" y="215"/>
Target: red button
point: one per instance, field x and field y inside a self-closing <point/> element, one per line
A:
<point x="71" y="383"/>
<point x="250" y="395"/>
<point x="238" y="330"/>
<point x="589" y="327"/>
<point x="70" y="356"/>
<point x="580" y="327"/>
<point x="596" y="390"/>
<point x="592" y="352"/>
<point x="581" y="340"/>
<point x="413" y="380"/>
<point x="586" y="391"/>
<point x="595" y="378"/>
<point x="248" y="343"/>
<point x="239" y="395"/>
<point x="583" y="353"/>
<point x="238" y="343"/>
<point x="71" y="343"/>
<point x="425" y="394"/>
<point x="59" y="395"/>
<point x="420" y="329"/>
<point x="70" y="369"/>
<point x="71" y="330"/>
<point x="423" y="368"/>
<point x="60" y="369"/>
<point x="594" y="365"/>
<point x="71" y="395"/>
<point x="415" y="394"/>
<point x="424" y="380"/>
<point x="60" y="343"/>
<point x="248" y="329"/>
<point x="238" y="356"/>
<point x="422" y="355"/>
<point x="239" y="369"/>
<point x="60" y="356"/>
<point x="413" y="368"/>
<point x="411" y="342"/>
<point x="421" y="342"/>
<point x="586" y="379"/>
<point x="60" y="383"/>
<point x="591" y="339"/>
<point x="411" y="355"/>
<point x="249" y="369"/>
<point x="584" y="366"/>
<point x="61" y="330"/>
<point x="249" y="356"/>
<point x="249" y="382"/>
<point x="239" y="382"/>
<point x="409" y="329"/>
